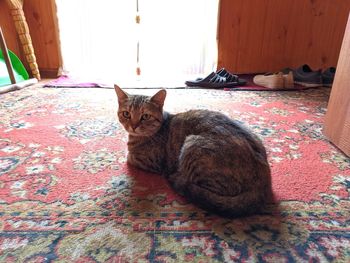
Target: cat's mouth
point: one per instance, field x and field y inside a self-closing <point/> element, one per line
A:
<point x="139" y="133"/>
<point x="133" y="133"/>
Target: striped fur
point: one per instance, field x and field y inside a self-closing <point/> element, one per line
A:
<point x="214" y="161"/>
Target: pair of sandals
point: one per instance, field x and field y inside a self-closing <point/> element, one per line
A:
<point x="220" y="79"/>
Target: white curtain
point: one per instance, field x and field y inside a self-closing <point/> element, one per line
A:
<point x="99" y="39"/>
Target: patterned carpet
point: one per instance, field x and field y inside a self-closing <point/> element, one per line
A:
<point x="66" y="194"/>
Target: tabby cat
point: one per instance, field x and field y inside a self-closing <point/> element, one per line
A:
<point x="209" y="158"/>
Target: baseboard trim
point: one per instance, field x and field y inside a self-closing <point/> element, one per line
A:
<point x="48" y="73"/>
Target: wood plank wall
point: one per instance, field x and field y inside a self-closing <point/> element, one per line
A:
<point x="42" y="22"/>
<point x="337" y="120"/>
<point x="8" y="29"/>
<point x="253" y="35"/>
<point x="268" y="35"/>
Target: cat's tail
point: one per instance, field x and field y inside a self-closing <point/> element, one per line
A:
<point x="243" y="204"/>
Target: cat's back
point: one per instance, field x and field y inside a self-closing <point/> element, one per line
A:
<point x="200" y="118"/>
<point x="205" y="122"/>
<point x="216" y="127"/>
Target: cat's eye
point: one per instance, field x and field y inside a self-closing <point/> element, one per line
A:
<point x="126" y="114"/>
<point x="145" y="117"/>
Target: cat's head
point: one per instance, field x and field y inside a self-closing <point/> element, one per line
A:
<point x="140" y="115"/>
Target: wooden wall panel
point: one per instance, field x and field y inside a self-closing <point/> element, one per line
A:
<point x="42" y="22"/>
<point x="337" y="121"/>
<point x="9" y="30"/>
<point x="268" y="35"/>
<point x="253" y="35"/>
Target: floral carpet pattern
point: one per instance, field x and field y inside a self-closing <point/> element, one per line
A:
<point x="67" y="195"/>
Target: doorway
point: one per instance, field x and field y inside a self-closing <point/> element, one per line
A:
<point x="140" y="43"/>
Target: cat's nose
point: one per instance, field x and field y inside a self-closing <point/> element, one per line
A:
<point x="134" y="126"/>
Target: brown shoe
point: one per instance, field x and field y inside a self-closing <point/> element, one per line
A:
<point x="288" y="80"/>
<point x="271" y="81"/>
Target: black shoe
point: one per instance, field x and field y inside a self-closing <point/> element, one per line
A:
<point x="328" y="76"/>
<point x="230" y="77"/>
<point x="219" y="79"/>
<point x="305" y="76"/>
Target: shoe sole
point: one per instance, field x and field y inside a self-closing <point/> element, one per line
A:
<point x="309" y="85"/>
<point x="214" y="85"/>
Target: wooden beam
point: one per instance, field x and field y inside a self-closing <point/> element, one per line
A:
<point x="7" y="57"/>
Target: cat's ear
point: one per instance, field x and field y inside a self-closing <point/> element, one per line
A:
<point x="122" y="95"/>
<point x="159" y="97"/>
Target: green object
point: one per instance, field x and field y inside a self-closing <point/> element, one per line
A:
<point x="19" y="70"/>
